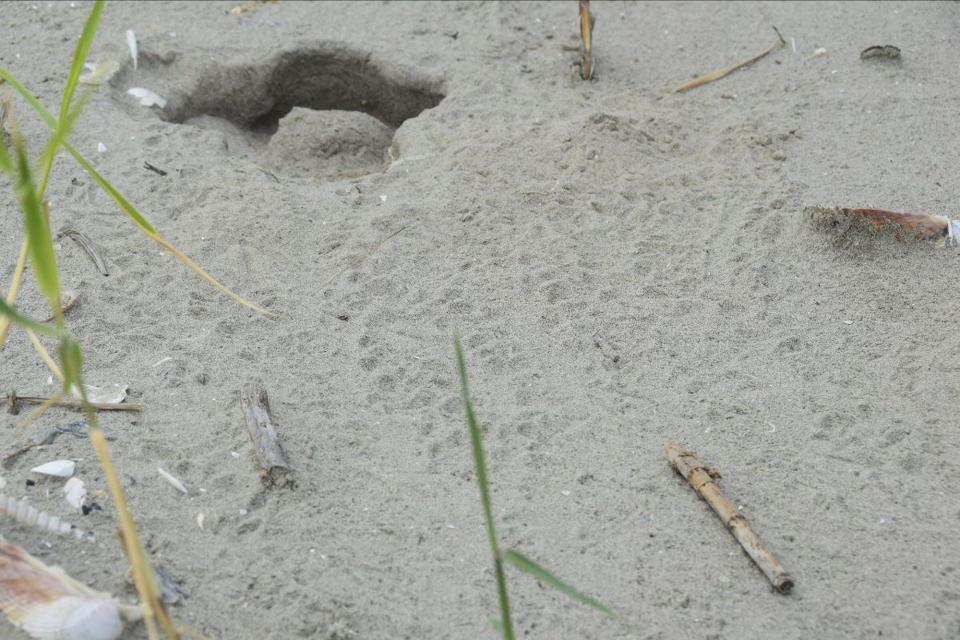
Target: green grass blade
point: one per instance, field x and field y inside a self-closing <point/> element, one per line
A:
<point x="28" y="323"/>
<point x="58" y="138"/>
<point x="38" y="233"/>
<point x="30" y="98"/>
<point x="115" y="195"/>
<point x="481" y="468"/>
<point x="79" y="58"/>
<point x="527" y="565"/>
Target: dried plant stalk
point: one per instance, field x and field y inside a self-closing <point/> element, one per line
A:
<point x="88" y="246"/>
<point x="256" y="411"/>
<point x="701" y="479"/>
<point x="60" y="401"/>
<point x="919" y="226"/>
<point x="586" y="40"/>
<point x="716" y="75"/>
<point x="23" y="513"/>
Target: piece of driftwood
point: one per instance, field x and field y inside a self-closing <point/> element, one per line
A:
<point x="13" y="399"/>
<point x="256" y="412"/>
<point x="716" y="75"/>
<point x="919" y="226"/>
<point x="586" y="40"/>
<point x="702" y="480"/>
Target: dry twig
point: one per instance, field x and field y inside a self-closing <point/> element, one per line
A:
<point x="702" y="480"/>
<point x="919" y="226"/>
<point x="586" y="40"/>
<point x="256" y="411"/>
<point x="716" y="75"/>
<point x="87" y="245"/>
<point x="13" y="399"/>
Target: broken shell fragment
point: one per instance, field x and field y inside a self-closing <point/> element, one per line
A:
<point x="172" y="480"/>
<point x="147" y="98"/>
<point x="50" y="605"/>
<point x="59" y="468"/>
<point x="25" y="514"/>
<point x="76" y="493"/>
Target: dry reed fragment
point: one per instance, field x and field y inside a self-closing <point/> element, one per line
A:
<point x="919" y="226"/>
<point x="702" y="480"/>
<point x="88" y="246"/>
<point x="716" y="75"/>
<point x="13" y="399"/>
<point x="273" y="461"/>
<point x="586" y="40"/>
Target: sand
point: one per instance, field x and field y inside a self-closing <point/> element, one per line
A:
<point x="625" y="268"/>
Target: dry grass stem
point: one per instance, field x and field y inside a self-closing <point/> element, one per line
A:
<point x="716" y="75"/>
<point x="586" y="40"/>
<point x="702" y="480"/>
<point x="59" y="401"/>
<point x="88" y="246"/>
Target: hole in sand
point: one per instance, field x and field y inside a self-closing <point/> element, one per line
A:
<point x="326" y="112"/>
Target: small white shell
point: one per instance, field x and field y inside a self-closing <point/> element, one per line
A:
<point x="147" y="98"/>
<point x="76" y="493"/>
<point x="59" y="468"/>
<point x="111" y="393"/>
<point x="101" y="148"/>
<point x="25" y="514"/>
<point x="172" y="480"/>
<point x="99" y="73"/>
<point x="132" y="43"/>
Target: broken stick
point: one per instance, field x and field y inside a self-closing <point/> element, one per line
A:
<point x="13" y="399"/>
<point x="701" y="479"/>
<point x="586" y="40"/>
<point x="256" y="411"/>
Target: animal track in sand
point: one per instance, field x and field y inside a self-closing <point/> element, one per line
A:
<point x="320" y="112"/>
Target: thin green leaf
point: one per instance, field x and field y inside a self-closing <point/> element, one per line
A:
<point x="6" y="165"/>
<point x="527" y="565"/>
<point x="28" y="323"/>
<point x="71" y="361"/>
<point x="481" y="468"/>
<point x="122" y="202"/>
<point x="38" y="233"/>
<point x="30" y="98"/>
<point x="79" y="58"/>
<point x="58" y="138"/>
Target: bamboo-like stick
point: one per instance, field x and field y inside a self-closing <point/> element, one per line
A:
<point x="13" y="399"/>
<point x="256" y="411"/>
<point x="702" y="480"/>
<point x="586" y="40"/>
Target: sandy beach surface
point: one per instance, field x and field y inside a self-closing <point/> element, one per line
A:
<point x="626" y="268"/>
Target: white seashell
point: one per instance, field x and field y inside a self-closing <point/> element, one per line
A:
<point x="173" y="481"/>
<point x="73" y="618"/>
<point x="132" y="43"/>
<point x="59" y="468"/>
<point x="76" y="493"/>
<point x="25" y="514"/>
<point x="50" y="605"/>
<point x="147" y="98"/>
<point x="99" y="73"/>
<point x="200" y="519"/>
<point x="110" y="393"/>
<point x="101" y="148"/>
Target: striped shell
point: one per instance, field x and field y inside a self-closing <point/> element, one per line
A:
<point x="25" y="514"/>
<point x="50" y="605"/>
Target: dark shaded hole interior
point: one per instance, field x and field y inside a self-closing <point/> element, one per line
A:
<point x="257" y="97"/>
